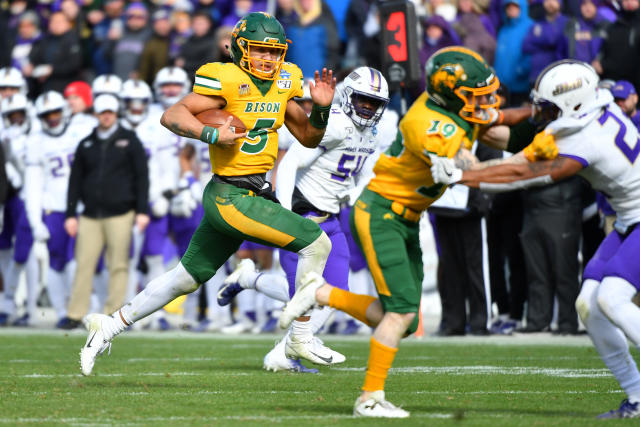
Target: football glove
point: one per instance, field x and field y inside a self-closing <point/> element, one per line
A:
<point x="160" y="207"/>
<point x="543" y="147"/>
<point x="444" y="170"/>
<point x="183" y="204"/>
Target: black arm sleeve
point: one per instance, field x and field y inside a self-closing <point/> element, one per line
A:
<point x="75" y="183"/>
<point x="520" y="136"/>
<point x="141" y="173"/>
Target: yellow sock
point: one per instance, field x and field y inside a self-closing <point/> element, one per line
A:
<point x="380" y="360"/>
<point x="355" y="305"/>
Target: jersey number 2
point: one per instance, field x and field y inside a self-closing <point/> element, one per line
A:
<point x="257" y="138"/>
<point x="629" y="152"/>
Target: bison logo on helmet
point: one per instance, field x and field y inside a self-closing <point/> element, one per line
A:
<point x="448" y="75"/>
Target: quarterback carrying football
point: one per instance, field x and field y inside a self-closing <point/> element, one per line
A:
<point x="258" y="87"/>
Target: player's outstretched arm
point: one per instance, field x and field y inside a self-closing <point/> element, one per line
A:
<point x="309" y="130"/>
<point x="508" y="177"/>
<point x="180" y="119"/>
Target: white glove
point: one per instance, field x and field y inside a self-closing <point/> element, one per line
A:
<point x="41" y="251"/>
<point x="444" y="170"/>
<point x="183" y="204"/>
<point x="40" y="232"/>
<point x="160" y="207"/>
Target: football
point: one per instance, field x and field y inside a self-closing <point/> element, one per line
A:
<point x="216" y="118"/>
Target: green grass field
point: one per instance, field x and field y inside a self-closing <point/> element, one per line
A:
<point x="189" y="379"/>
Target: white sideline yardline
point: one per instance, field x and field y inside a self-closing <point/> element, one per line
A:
<point x="493" y="370"/>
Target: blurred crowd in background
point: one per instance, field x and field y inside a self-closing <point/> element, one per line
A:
<point x="145" y="54"/>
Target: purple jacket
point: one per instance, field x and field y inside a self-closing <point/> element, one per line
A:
<point x="449" y="38"/>
<point x="546" y="43"/>
<point x="584" y="38"/>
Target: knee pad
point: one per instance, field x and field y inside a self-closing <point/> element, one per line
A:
<point x="614" y="292"/>
<point x="584" y="300"/>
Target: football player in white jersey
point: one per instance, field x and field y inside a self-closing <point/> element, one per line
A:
<point x="48" y="165"/>
<point x="313" y="183"/>
<point x="16" y="117"/>
<point x="595" y="140"/>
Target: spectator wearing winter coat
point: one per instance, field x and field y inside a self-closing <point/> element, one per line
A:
<point x="28" y="34"/>
<point x="126" y="48"/>
<point x="155" y="55"/>
<point x="55" y="61"/>
<point x="316" y="43"/>
<point x="474" y="28"/>
<point x="511" y="63"/>
<point x="200" y="48"/>
<point x="545" y="41"/>
<point x="618" y="59"/>
<point x="584" y="33"/>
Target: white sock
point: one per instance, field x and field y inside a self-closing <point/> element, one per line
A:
<point x="301" y="329"/>
<point x="190" y="308"/>
<point x="608" y="340"/>
<point x="10" y="286"/>
<point x="245" y="302"/>
<point x="155" y="265"/>
<point x="313" y="257"/>
<point x="248" y="279"/>
<point x="216" y="313"/>
<point x="273" y="285"/>
<point x="56" y="288"/>
<point x="33" y="286"/>
<point x="614" y="299"/>
<point x="319" y="317"/>
<point x="158" y="293"/>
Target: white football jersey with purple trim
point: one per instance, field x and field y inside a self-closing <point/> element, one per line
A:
<point x="608" y="148"/>
<point x="343" y="152"/>
<point x="54" y="155"/>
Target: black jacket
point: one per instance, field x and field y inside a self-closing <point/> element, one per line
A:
<point x="109" y="176"/>
<point x="63" y="53"/>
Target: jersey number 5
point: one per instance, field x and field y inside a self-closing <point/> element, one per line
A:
<point x="257" y="138"/>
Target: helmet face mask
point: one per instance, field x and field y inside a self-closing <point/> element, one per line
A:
<point x="54" y="113"/>
<point x="460" y="81"/>
<point x="567" y="88"/>
<point x="364" y="96"/>
<point x="259" y="45"/>
<point x="170" y="85"/>
<point x="136" y="96"/>
<point x="15" y="112"/>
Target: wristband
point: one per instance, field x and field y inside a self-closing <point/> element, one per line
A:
<point x="209" y="135"/>
<point x="319" y="116"/>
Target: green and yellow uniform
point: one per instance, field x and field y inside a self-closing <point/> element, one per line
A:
<point x="234" y="212"/>
<point x="385" y="218"/>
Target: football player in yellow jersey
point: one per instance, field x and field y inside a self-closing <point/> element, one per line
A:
<point x="259" y="88"/>
<point x="443" y="121"/>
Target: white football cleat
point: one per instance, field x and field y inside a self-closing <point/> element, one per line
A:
<point x="234" y="283"/>
<point x="376" y="406"/>
<point x="307" y="348"/>
<point x="98" y="341"/>
<point x="276" y="361"/>
<point x="337" y="357"/>
<point x="303" y="300"/>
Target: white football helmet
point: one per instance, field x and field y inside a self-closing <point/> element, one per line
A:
<point x="171" y="76"/>
<point x="106" y="83"/>
<point x="12" y="104"/>
<point x="53" y="101"/>
<point x="568" y="87"/>
<point x="368" y="85"/>
<point x="136" y="97"/>
<point x="12" y="78"/>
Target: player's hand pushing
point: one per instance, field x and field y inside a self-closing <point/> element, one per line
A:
<point x="323" y="87"/>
